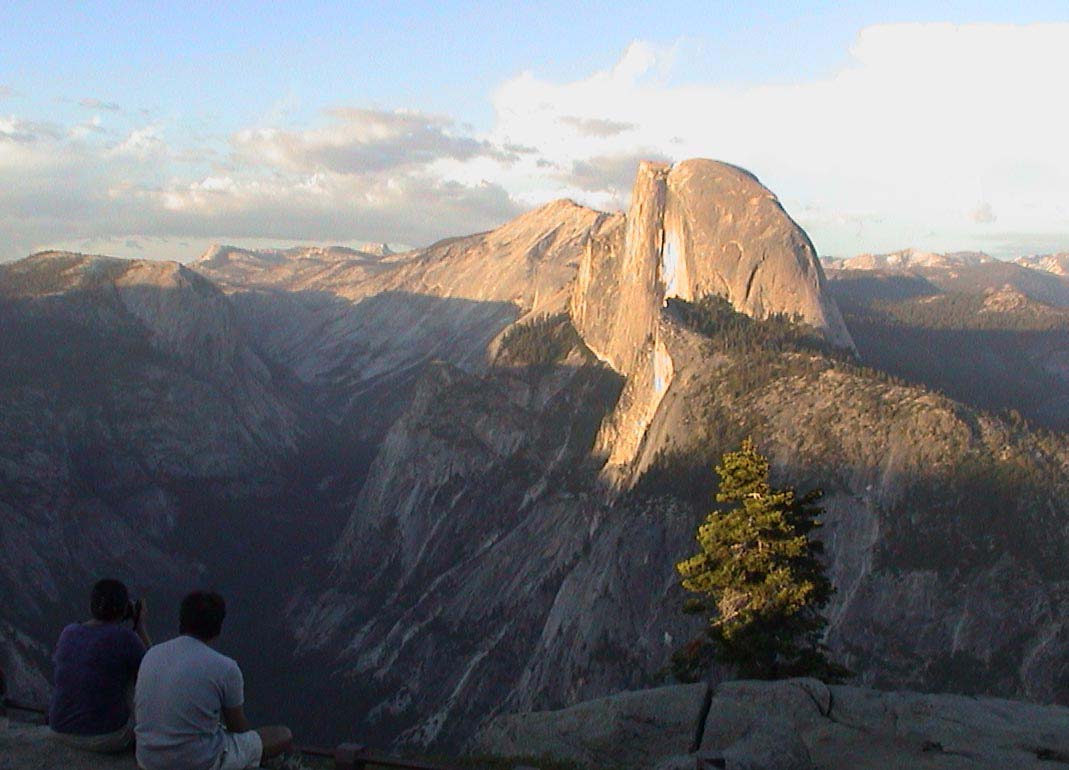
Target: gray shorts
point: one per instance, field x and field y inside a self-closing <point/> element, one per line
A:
<point x="240" y="750"/>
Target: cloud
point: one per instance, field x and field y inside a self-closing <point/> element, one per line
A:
<point x="96" y="104"/>
<point x="406" y="208"/>
<point x="16" y="131"/>
<point x="983" y="214"/>
<point x="92" y="126"/>
<point x="72" y="186"/>
<point x="904" y="128"/>
<point x="143" y="143"/>
<point x="599" y="127"/>
<point x="360" y="141"/>
<point x="614" y="173"/>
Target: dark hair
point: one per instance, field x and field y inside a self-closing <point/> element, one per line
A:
<point x="109" y="600"/>
<point x="202" y="615"/>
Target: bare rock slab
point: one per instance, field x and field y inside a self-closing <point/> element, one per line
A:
<point x="33" y="748"/>
<point x="630" y="730"/>
<point x="855" y="728"/>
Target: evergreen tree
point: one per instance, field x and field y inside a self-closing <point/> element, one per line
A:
<point x="758" y="577"/>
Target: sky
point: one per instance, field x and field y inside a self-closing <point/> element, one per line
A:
<point x="155" y="129"/>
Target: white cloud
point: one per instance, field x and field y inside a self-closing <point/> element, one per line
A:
<point x="599" y="127"/>
<point x="905" y="128"/>
<point x="143" y="143"/>
<point x="14" y="131"/>
<point x="368" y="176"/>
<point x="95" y="125"/>
<point x="360" y="141"/>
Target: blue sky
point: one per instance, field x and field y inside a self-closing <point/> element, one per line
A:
<point x="153" y="129"/>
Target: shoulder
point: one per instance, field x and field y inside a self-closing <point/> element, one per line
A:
<point x="210" y="655"/>
<point x="120" y="635"/>
<point x="128" y="635"/>
<point x="227" y="663"/>
<point x="227" y="669"/>
<point x="68" y="636"/>
<point x="161" y="650"/>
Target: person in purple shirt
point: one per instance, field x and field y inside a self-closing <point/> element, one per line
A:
<point x="96" y="665"/>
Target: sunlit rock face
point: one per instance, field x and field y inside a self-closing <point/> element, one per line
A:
<point x="725" y="233"/>
<point x="693" y="229"/>
<point x="350" y="318"/>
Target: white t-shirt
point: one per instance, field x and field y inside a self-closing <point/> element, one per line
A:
<point x="182" y="687"/>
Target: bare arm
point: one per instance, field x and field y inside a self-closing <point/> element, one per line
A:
<point x="235" y="721"/>
<point x="139" y="623"/>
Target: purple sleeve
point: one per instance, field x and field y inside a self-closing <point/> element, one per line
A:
<point x="59" y="644"/>
<point x="133" y="652"/>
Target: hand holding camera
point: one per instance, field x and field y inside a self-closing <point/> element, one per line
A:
<point x="135" y="612"/>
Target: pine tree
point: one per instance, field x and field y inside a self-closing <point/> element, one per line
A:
<point x="758" y="577"/>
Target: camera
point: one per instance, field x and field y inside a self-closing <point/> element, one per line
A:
<point x="133" y="611"/>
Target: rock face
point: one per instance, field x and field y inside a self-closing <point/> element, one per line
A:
<point x="348" y="320"/>
<point x="791" y="725"/>
<point x="725" y="233"/>
<point x="694" y="229"/>
<point x="629" y="730"/>
<point x="25" y="747"/>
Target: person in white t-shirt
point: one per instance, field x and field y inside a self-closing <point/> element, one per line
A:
<point x="189" y="701"/>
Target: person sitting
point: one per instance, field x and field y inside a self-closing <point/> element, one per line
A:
<point x="96" y="666"/>
<point x="189" y="700"/>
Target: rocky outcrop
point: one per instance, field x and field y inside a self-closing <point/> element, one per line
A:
<point x="697" y="228"/>
<point x="725" y="233"/>
<point x="630" y="730"/>
<point x="27" y="747"/>
<point x="790" y="725"/>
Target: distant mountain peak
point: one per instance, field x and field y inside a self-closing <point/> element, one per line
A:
<point x="377" y="249"/>
<point x="911" y="258"/>
<point x="1051" y="263"/>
